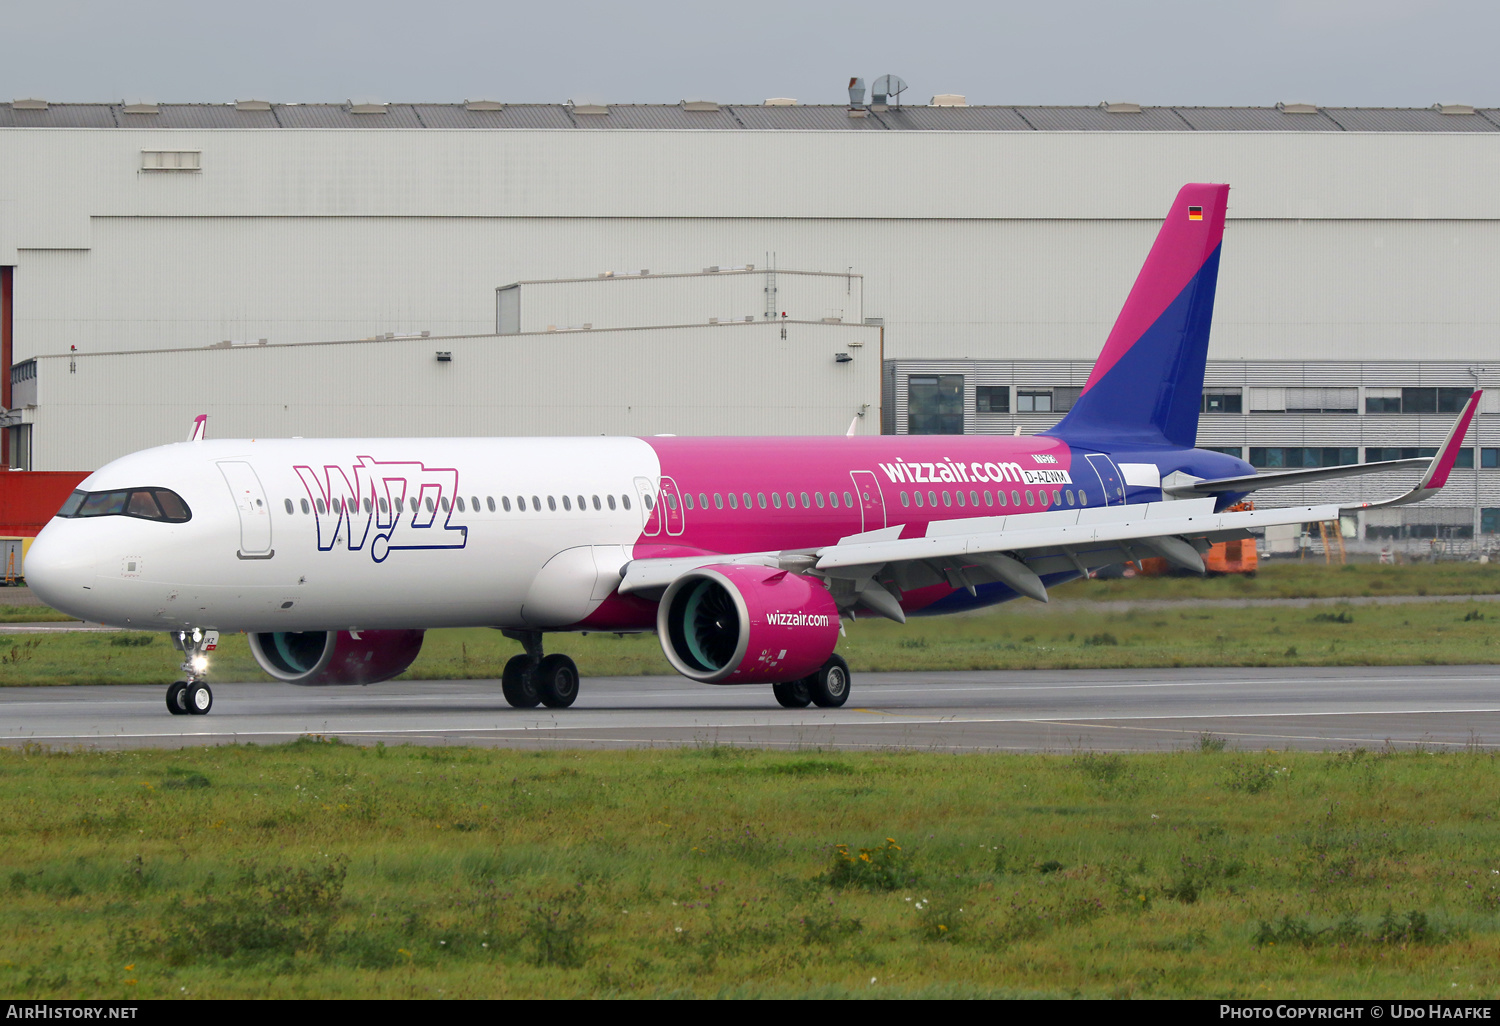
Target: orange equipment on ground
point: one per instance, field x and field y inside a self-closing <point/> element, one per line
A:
<point x="1230" y="557"/>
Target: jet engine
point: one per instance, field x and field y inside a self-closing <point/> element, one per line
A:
<point x="335" y="657"/>
<point x="735" y="624"/>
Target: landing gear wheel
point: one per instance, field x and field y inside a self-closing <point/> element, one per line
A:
<point x="176" y="699"/>
<point x="557" y="681"/>
<point x="794" y="694"/>
<point x="518" y="683"/>
<point x="199" y="698"/>
<point x="829" y="687"/>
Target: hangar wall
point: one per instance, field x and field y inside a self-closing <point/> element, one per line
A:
<point x="728" y="379"/>
<point x="971" y="243"/>
<point x="1357" y="238"/>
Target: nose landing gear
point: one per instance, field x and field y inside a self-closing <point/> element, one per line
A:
<point x="192" y="697"/>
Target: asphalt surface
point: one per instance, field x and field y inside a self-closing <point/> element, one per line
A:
<point x="1438" y="707"/>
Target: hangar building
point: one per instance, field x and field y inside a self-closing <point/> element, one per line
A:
<point x="963" y="265"/>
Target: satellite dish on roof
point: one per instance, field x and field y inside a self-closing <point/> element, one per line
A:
<point x="888" y="87"/>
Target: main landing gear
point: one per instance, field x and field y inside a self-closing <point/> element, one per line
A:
<point x="828" y="688"/>
<point x="533" y="679"/>
<point x="192" y="696"/>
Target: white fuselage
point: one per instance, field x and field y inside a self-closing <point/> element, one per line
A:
<point x="274" y="543"/>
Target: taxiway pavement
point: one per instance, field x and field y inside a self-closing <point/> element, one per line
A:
<point x="1440" y="707"/>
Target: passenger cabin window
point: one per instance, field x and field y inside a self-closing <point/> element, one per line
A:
<point x="141" y="503"/>
<point x="289" y="505"/>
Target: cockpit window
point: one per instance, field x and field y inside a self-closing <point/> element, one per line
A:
<point x="141" y="503"/>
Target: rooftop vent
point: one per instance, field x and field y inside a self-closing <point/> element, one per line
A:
<point x="251" y="105"/>
<point x="368" y="107"/>
<point x="856" y="92"/>
<point x="28" y="105"/>
<point x="589" y="108"/>
<point x="1120" y="107"/>
<point x="483" y="105"/>
<point x="703" y="105"/>
<point x="1453" y="108"/>
<point x="950" y="100"/>
<point x="1297" y="108"/>
<point x="141" y="107"/>
<point x="781" y="101"/>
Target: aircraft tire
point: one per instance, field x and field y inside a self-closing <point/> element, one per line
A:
<point x="557" y="681"/>
<point x="829" y="687"/>
<point x="794" y="694"/>
<point x="176" y="703"/>
<point x="518" y="683"/>
<point x="199" y="698"/>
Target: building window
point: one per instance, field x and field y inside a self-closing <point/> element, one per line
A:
<point x="1374" y="454"/>
<point x="992" y="399"/>
<point x="1322" y="400"/>
<point x="1238" y="452"/>
<point x="1064" y="398"/>
<point x="935" y="404"/>
<point x="1034" y="401"/>
<point x="1415" y="400"/>
<point x="171" y="160"/>
<point x="1291" y="457"/>
<point x="1223" y="402"/>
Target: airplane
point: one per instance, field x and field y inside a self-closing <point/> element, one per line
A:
<point x="744" y="555"/>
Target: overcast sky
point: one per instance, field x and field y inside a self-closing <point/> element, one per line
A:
<point x="1185" y="52"/>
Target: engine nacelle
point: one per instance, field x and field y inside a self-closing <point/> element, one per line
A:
<point x="735" y="624"/>
<point x="335" y="657"/>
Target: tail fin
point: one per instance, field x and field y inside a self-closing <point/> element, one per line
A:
<point x="1147" y="385"/>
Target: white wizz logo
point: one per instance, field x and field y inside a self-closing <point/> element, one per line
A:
<point x="797" y="619"/>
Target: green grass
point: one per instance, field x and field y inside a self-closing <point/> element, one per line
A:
<point x="319" y="869"/>
<point x="32" y="614"/>
<point x="1081" y="632"/>
<point x="1310" y="578"/>
<point x="1018" y="636"/>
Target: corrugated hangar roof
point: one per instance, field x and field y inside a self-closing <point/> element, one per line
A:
<point x="752" y="117"/>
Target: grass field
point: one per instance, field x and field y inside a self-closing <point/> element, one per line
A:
<point x="321" y="869"/>
<point x="1016" y="636"/>
<point x="1086" y="628"/>
<point x="1301" y="579"/>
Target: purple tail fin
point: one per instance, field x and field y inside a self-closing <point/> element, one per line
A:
<point x="1147" y="385"/>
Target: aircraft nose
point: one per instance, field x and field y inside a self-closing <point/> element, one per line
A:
<point x="59" y="570"/>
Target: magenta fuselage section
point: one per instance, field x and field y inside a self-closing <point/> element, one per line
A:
<point x="736" y="495"/>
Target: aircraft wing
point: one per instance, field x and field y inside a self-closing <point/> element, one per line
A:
<point x="873" y="569"/>
<point x="1018" y="550"/>
<point x="1435" y="477"/>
